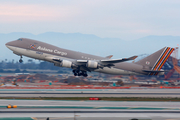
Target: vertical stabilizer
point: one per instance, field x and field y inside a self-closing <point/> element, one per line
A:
<point x="155" y="61"/>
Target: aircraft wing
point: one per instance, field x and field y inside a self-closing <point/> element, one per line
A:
<point x="88" y="64"/>
<point x="112" y="61"/>
<point x="106" y="61"/>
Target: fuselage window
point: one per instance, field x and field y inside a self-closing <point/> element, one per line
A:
<point x="20" y="39"/>
<point x="88" y="58"/>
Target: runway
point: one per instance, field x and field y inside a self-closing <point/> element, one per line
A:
<point x="90" y="110"/>
<point x="89" y="93"/>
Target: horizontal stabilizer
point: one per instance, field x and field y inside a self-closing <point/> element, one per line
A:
<point x="154" y="71"/>
<point x="118" y="60"/>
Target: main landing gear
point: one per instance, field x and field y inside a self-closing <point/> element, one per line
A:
<point x="21" y="60"/>
<point x="80" y="73"/>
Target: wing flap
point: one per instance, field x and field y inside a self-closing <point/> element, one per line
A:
<point x="82" y="61"/>
<point x="57" y="59"/>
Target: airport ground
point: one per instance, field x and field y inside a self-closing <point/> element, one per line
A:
<point x="72" y="102"/>
<point x="89" y="110"/>
<point x="85" y="109"/>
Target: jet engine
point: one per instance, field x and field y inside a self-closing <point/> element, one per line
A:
<point x="64" y="63"/>
<point x="92" y="64"/>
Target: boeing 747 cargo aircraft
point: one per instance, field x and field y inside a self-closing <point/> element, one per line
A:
<point x="81" y="62"/>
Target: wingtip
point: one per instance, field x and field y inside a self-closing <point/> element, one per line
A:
<point x="109" y="57"/>
<point x="135" y="57"/>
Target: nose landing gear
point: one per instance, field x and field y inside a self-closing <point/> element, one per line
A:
<point x="80" y="73"/>
<point x="21" y="60"/>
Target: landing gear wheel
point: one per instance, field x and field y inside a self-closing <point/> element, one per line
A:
<point x="20" y="60"/>
<point x="84" y="73"/>
<point x="80" y="73"/>
<point x="75" y="74"/>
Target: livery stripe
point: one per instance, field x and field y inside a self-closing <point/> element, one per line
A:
<point x="152" y="73"/>
<point x="162" y="57"/>
<point x="159" y="58"/>
<point x="172" y="49"/>
<point x="160" y="61"/>
<point x="165" y="59"/>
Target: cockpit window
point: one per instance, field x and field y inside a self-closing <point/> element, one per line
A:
<point x="20" y="39"/>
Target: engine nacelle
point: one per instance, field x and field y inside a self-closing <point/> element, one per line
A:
<point x="92" y="64"/>
<point x="66" y="63"/>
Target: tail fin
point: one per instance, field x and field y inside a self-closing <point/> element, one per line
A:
<point x="155" y="61"/>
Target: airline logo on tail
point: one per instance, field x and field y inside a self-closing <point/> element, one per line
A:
<point x="162" y="59"/>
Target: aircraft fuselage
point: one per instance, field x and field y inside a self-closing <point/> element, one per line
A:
<point x="46" y="52"/>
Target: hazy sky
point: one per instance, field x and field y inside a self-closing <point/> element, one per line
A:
<point x="124" y="19"/>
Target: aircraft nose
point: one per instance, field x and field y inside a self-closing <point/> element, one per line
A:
<point x="12" y="43"/>
<point x="9" y="43"/>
